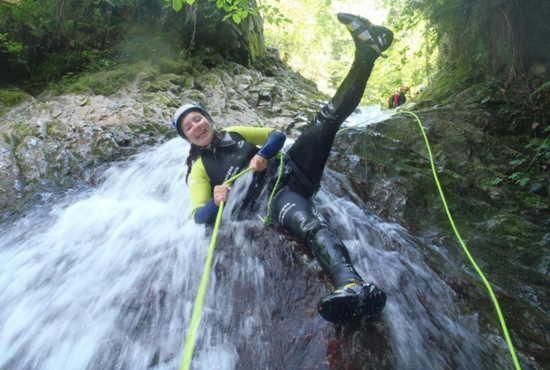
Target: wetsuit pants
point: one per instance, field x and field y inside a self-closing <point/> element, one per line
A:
<point x="306" y="160"/>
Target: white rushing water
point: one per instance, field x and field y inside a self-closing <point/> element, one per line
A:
<point x="366" y="115"/>
<point x="105" y="278"/>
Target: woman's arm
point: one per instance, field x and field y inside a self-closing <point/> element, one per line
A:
<point x="206" y="214"/>
<point x="273" y="144"/>
<point x="270" y="140"/>
<point x="204" y="207"/>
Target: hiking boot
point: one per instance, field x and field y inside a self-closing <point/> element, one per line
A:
<point x="352" y="301"/>
<point x="366" y="34"/>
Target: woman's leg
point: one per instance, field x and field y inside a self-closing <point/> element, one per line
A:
<point x="353" y="297"/>
<point x="295" y="213"/>
<point x="310" y="152"/>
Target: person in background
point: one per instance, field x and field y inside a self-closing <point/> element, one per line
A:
<point x="398" y="98"/>
<point x="216" y="155"/>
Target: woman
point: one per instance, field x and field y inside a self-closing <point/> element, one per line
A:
<point x="217" y="155"/>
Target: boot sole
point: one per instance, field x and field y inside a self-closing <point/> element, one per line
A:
<point x="364" y="31"/>
<point x="340" y="309"/>
<point x="347" y="308"/>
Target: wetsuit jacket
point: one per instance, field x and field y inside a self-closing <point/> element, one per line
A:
<point x="230" y="152"/>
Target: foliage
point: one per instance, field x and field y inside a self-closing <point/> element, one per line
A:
<point x="314" y="43"/>
<point x="236" y="10"/>
<point x="41" y="41"/>
<point x="479" y="40"/>
<point x="48" y="38"/>
<point x="11" y="47"/>
<point x="526" y="168"/>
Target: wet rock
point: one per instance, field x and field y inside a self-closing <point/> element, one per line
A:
<point x="387" y="163"/>
<point x="53" y="138"/>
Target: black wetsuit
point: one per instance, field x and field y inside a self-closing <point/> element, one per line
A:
<point x="305" y="161"/>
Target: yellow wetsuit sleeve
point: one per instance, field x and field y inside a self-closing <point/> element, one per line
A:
<point x="199" y="185"/>
<point x="254" y="135"/>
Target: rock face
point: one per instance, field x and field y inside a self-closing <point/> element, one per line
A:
<point x="202" y="25"/>
<point x="54" y="142"/>
<point x="505" y="227"/>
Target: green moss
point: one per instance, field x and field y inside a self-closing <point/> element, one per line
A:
<point x="12" y="97"/>
<point x="105" y="82"/>
<point x="170" y="66"/>
<point x="18" y="132"/>
<point x="189" y="82"/>
<point x="545" y="87"/>
<point x="22" y="130"/>
<point x="55" y="128"/>
<point x="177" y="66"/>
<point x="533" y="200"/>
<point x="104" y="150"/>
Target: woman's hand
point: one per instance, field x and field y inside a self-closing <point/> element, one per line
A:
<point x="258" y="163"/>
<point x="220" y="193"/>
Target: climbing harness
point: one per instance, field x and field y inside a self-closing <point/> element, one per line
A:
<point x="199" y="300"/>
<point x="465" y="248"/>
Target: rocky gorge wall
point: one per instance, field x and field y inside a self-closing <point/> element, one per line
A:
<point x="505" y="227"/>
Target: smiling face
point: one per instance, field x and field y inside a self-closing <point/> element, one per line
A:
<point x="197" y="129"/>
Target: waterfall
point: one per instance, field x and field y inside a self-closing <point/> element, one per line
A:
<point x="105" y="278"/>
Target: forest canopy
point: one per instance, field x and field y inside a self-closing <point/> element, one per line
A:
<point x="446" y="44"/>
<point x="454" y="43"/>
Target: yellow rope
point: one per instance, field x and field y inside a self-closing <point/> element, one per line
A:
<point x="267" y="219"/>
<point x="199" y="300"/>
<point x="467" y="251"/>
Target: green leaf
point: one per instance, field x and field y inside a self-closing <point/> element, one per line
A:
<point x="517" y="162"/>
<point x="515" y="175"/>
<point x="177" y="5"/>
<point x="236" y="18"/>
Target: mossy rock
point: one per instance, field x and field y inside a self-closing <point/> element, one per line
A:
<point x="23" y="129"/>
<point x="105" y="82"/>
<point x="165" y="82"/>
<point x="189" y="82"/>
<point x="176" y="66"/>
<point x="56" y="129"/>
<point x="12" y="97"/>
<point x="17" y="132"/>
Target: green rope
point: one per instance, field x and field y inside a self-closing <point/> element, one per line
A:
<point x="201" y="294"/>
<point x="199" y="300"/>
<point x="466" y="250"/>
<point x="267" y="219"/>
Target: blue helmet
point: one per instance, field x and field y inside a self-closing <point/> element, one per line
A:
<point x="185" y="109"/>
